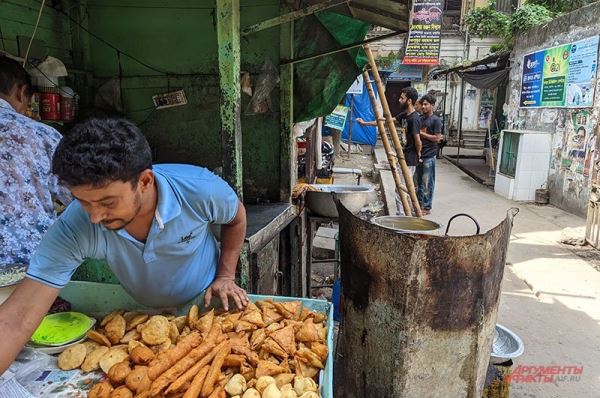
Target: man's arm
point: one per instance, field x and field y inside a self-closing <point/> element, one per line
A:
<point x="437" y="137"/>
<point x="232" y="240"/>
<point x="20" y="315"/>
<point x="418" y="145"/>
<point x="362" y="122"/>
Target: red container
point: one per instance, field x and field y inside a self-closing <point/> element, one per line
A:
<point x="50" y="106"/>
<point x="67" y="104"/>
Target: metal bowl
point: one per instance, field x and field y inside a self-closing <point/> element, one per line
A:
<point x="353" y="197"/>
<point x="405" y="224"/>
<point x="507" y="345"/>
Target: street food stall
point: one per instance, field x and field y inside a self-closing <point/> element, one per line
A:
<point x="218" y="84"/>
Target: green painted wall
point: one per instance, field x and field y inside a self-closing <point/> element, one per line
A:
<point x="180" y="39"/>
<point x="18" y="17"/>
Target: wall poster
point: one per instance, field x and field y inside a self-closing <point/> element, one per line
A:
<point x="424" y="37"/>
<point x="561" y="76"/>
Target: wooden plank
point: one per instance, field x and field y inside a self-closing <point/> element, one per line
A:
<point x="228" y="39"/>
<point x="287" y="155"/>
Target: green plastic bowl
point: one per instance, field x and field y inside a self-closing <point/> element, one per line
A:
<point x="62" y="328"/>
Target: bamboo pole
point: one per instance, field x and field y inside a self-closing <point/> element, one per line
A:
<point x="392" y="128"/>
<point x="391" y="156"/>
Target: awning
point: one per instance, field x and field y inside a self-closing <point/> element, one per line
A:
<point x="486" y="78"/>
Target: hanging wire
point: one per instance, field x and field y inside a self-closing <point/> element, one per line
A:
<point x="34" y="32"/>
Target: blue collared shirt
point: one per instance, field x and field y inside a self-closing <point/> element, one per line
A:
<point x="177" y="261"/>
<point x="26" y="184"/>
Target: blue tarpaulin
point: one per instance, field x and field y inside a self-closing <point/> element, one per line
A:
<point x="361" y="107"/>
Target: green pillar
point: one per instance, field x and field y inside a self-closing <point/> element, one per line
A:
<point x="228" y="40"/>
<point x="287" y="156"/>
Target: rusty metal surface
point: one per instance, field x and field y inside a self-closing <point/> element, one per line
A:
<point x="419" y="309"/>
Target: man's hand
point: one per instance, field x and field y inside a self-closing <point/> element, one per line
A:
<point x="360" y="120"/>
<point x="224" y="288"/>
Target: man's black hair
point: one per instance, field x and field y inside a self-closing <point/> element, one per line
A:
<point x="429" y="98"/>
<point x="100" y="151"/>
<point x="411" y="94"/>
<point x="13" y="74"/>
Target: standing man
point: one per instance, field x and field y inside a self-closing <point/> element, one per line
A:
<point x="150" y="223"/>
<point x="431" y="135"/>
<point x="27" y="186"/>
<point x="410" y="126"/>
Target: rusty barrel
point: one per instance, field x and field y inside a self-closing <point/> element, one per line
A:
<point x="419" y="310"/>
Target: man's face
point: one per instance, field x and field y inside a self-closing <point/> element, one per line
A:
<point x="19" y="98"/>
<point x="403" y="102"/>
<point x="113" y="205"/>
<point x="427" y="108"/>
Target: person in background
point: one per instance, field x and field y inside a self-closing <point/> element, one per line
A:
<point x="410" y="126"/>
<point x="419" y="106"/>
<point x="27" y="187"/>
<point x="431" y="135"/>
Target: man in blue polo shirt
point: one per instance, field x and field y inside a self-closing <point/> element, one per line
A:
<point x="150" y="223"/>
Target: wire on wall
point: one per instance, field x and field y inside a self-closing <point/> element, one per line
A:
<point x="34" y="32"/>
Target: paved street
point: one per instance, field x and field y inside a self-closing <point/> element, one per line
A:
<point x="550" y="296"/>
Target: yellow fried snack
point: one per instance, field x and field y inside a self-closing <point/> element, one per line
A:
<point x="136" y="321"/>
<point x="92" y="359"/>
<point x="193" y="315"/>
<point x="72" y="357"/>
<point x="180" y="322"/>
<point x="308" y="332"/>
<point x="90" y="345"/>
<point x="98" y="338"/>
<point x="173" y="333"/>
<point x="115" y="329"/>
<point x="118" y="372"/>
<point x="110" y="316"/>
<point x="129" y="336"/>
<point x="268" y="368"/>
<point x="285" y="338"/>
<point x="156" y="330"/>
<point x="132" y="344"/>
<point x="101" y="390"/>
<point x="205" y="323"/>
<point x="214" y="371"/>
<point x="110" y="358"/>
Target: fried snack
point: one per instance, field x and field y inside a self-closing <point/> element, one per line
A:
<point x="122" y="347"/>
<point x="180" y="322"/>
<point x="305" y="369"/>
<point x="132" y="344"/>
<point x="251" y="355"/>
<point x="258" y="337"/>
<point x="115" y="328"/>
<point x="318" y="317"/>
<point x="156" y="330"/>
<point x="118" y="372"/>
<point x="129" y="336"/>
<point x="236" y="385"/>
<point x="214" y="371"/>
<point x="309" y="357"/>
<point x="247" y="371"/>
<point x="251" y="393"/>
<point x="205" y="323"/>
<point x="72" y="357"/>
<point x="129" y="315"/>
<point x="218" y="392"/>
<point x="268" y="368"/>
<point x="173" y="333"/>
<point x="144" y="394"/>
<point x="194" y="390"/>
<point x="144" y="385"/>
<point x="242" y="326"/>
<point x="135" y="377"/>
<point x="90" y="345"/>
<point x="161" y="382"/>
<point x="110" y="358"/>
<point x="178" y="384"/>
<point x="110" y="316"/>
<point x="285" y="338"/>
<point x="308" y="332"/>
<point x="271" y="392"/>
<point x="101" y="390"/>
<point x="92" y="359"/>
<point x="141" y="355"/>
<point x="272" y="347"/>
<point x="262" y="383"/>
<point x="254" y="317"/>
<point x="193" y="315"/>
<point x="320" y="350"/>
<point x="158" y="349"/>
<point x="304" y="384"/>
<point x="234" y="360"/>
<point x="136" y="321"/>
<point x="122" y="392"/>
<point x="283" y="379"/>
<point x="98" y="338"/>
<point x="186" y="345"/>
